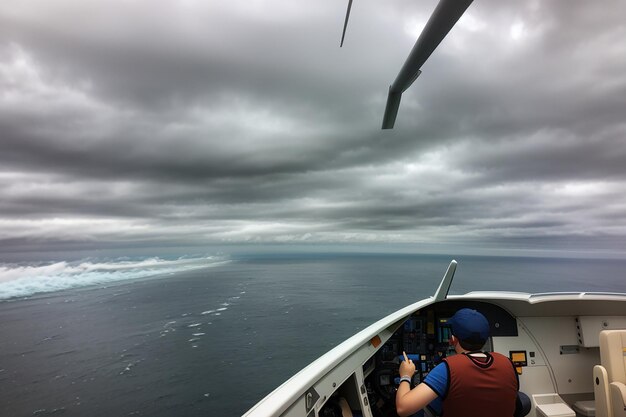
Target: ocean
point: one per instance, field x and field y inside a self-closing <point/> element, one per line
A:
<point x="210" y="336"/>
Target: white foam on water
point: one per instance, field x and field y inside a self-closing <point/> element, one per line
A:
<point x="198" y="334"/>
<point x="224" y="306"/>
<point x="26" y="280"/>
<point x="127" y="369"/>
<point x="194" y="325"/>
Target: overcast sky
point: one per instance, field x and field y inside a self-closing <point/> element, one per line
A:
<point x="131" y="123"/>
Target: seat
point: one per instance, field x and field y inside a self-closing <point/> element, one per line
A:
<point x="610" y="376"/>
<point x="522" y="404"/>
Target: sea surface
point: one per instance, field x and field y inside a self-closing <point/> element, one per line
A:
<point x="212" y="336"/>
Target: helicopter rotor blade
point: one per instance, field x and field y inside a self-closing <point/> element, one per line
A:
<point x="445" y="16"/>
<point x="345" y="25"/>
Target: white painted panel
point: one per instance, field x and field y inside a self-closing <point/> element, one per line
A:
<point x="589" y="328"/>
<point x="366" y="410"/>
<point x="535" y="378"/>
<point x="572" y="372"/>
<point x="523" y="341"/>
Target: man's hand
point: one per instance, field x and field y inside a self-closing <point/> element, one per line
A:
<point x="409" y="401"/>
<point x="407" y="367"/>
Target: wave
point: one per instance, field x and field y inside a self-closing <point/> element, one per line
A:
<point x="26" y="280"/>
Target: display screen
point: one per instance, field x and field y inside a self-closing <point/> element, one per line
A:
<point x="518" y="357"/>
<point x="444" y="331"/>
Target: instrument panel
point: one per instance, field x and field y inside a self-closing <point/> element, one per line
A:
<point x="425" y="338"/>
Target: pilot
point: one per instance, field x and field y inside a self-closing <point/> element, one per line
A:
<point x="472" y="383"/>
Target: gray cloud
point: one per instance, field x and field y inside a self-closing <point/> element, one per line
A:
<point x="188" y="124"/>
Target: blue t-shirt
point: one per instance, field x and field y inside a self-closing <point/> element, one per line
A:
<point x="437" y="380"/>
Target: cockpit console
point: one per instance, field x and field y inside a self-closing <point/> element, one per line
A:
<point x="425" y="338"/>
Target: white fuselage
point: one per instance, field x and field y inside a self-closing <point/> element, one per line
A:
<point x="556" y="334"/>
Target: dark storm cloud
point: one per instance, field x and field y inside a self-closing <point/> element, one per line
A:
<point x="194" y="122"/>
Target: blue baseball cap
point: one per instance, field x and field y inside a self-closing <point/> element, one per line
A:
<point x="469" y="325"/>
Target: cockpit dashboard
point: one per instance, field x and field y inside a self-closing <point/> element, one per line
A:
<point x="425" y="338"/>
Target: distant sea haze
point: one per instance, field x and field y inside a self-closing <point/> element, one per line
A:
<point x="160" y="337"/>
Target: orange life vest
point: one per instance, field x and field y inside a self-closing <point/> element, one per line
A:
<point x="480" y="387"/>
